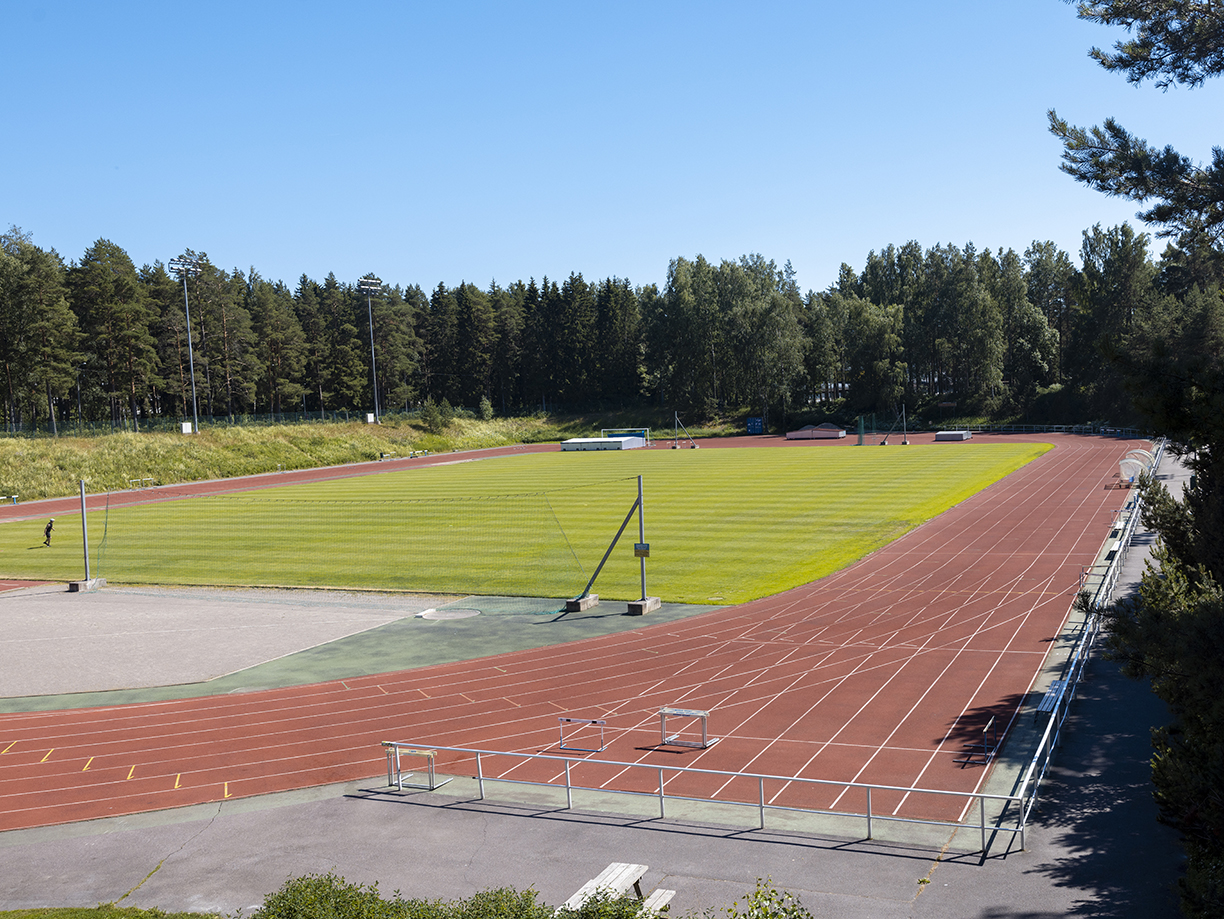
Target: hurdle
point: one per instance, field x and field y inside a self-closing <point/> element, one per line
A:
<point x="980" y="753"/>
<point x="393" y="751"/>
<point x="589" y="722"/>
<point x="676" y="740"/>
<point x="140" y="483"/>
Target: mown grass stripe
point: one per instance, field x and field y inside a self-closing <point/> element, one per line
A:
<point x="724" y="525"/>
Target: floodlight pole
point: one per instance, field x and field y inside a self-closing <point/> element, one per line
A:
<point x="185" y="265"/>
<point x="372" y="286"/>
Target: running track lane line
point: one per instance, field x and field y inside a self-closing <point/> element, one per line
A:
<point x="198" y="750"/>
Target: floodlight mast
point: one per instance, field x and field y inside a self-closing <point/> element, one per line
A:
<point x="185" y="265"/>
<point x="372" y="286"/>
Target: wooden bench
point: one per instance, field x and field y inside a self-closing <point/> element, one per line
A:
<point x="615" y="881"/>
<point x="1050" y="699"/>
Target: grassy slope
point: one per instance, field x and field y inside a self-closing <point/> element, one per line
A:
<point x="724" y="525"/>
<point x="45" y="467"/>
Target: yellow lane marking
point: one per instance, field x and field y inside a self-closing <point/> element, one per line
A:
<point x="130" y="772"/>
<point x="86" y="769"/>
<point x="226" y="790"/>
<point x="9" y="747"/>
<point x="177" y="779"/>
<point x="49" y="752"/>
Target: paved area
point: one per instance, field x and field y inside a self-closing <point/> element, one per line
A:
<point x="143" y="644"/>
<point x="126" y="638"/>
<point x="1094" y="849"/>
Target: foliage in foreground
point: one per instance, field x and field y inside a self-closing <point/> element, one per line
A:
<point x="329" y="896"/>
<point x="101" y="911"/>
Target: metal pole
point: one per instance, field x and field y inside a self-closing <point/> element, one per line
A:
<point x="85" y="532"/>
<point x="195" y="413"/>
<point x="373" y="368"/>
<point x="982" y="818"/>
<point x="641" y="534"/>
<point x="869" y="836"/>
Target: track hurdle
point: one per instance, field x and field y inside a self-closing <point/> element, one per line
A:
<point x="676" y="740"/>
<point x="980" y="753"/>
<point x="146" y="482"/>
<point x="589" y="722"/>
<point x="393" y="751"/>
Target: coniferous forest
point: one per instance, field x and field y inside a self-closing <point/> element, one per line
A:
<point x="97" y="341"/>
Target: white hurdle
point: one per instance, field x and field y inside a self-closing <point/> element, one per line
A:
<point x="394" y="750"/>
<point x="675" y="739"/>
<point x="589" y="722"/>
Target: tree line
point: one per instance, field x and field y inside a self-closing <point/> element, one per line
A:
<point x="100" y="340"/>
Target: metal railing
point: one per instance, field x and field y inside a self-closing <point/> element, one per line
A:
<point x="761" y="804"/>
<point x="1104" y="430"/>
<point x="1074" y="668"/>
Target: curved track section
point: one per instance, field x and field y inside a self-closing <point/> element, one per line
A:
<point x="878" y="673"/>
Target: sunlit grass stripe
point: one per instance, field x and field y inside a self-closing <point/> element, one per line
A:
<point x="724" y="525"/>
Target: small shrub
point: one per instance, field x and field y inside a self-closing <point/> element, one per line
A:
<point x="767" y="902"/>
<point x="328" y="896"/>
<point x="431" y="417"/>
<point x="486" y="409"/>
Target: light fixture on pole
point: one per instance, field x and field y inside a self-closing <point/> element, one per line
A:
<point x="370" y="287"/>
<point x="184" y="265"/>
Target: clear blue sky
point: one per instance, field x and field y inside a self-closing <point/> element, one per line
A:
<point x="448" y="141"/>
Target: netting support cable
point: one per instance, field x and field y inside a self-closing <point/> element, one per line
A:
<point x="564" y="535"/>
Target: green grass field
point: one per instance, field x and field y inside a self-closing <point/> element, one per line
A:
<point x="724" y="525"/>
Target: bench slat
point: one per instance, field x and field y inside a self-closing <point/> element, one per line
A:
<point x="657" y="900"/>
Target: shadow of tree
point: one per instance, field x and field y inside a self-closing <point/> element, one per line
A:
<point x="1096" y="808"/>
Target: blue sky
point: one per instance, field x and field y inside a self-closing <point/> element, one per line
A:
<point x="443" y="142"/>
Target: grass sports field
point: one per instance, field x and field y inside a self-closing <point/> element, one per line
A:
<point x="724" y="526"/>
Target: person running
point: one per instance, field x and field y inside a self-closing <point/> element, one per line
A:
<point x="47" y="532"/>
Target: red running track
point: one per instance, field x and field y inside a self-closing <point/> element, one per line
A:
<point x="878" y="674"/>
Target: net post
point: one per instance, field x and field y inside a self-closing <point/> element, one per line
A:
<point x="85" y="532"/>
<point x="641" y="535"/>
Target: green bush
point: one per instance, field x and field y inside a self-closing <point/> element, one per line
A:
<point x="431" y="417"/>
<point x="328" y="896"/>
<point x="767" y="902"/>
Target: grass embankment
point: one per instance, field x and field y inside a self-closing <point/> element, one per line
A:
<point x="47" y="467"/>
<point x="725" y="526"/>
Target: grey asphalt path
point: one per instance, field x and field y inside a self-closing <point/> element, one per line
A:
<point x="1093" y="849"/>
<point x="53" y="641"/>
